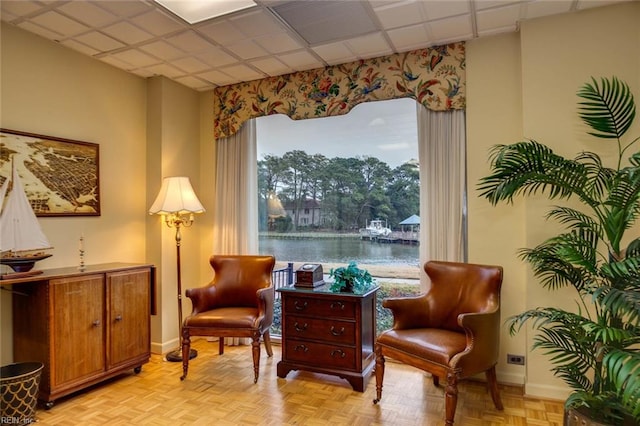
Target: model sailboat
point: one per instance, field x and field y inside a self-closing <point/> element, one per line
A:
<point x="22" y="242"/>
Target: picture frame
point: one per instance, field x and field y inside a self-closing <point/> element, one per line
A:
<point x="61" y="177"/>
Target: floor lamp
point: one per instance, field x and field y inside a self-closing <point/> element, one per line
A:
<point x="177" y="203"/>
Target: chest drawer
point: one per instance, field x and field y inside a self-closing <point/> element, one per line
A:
<point x="327" y="330"/>
<point x="296" y="305"/>
<point x="313" y="353"/>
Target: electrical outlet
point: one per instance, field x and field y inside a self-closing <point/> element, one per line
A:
<point x="515" y="359"/>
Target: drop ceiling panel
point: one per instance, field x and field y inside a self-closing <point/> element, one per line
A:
<point x="163" y="50"/>
<point x="399" y="14"/>
<point x="222" y="32"/>
<point x="278" y="43"/>
<point x="256" y="23"/>
<point x="127" y="33"/>
<point x="190" y="65"/>
<point x="19" y="8"/>
<point x="247" y="49"/>
<point x="59" y="23"/>
<point x="99" y="41"/>
<point x="37" y="29"/>
<point x="275" y="37"/>
<point x="409" y="38"/>
<point x="299" y="61"/>
<point x="88" y="13"/>
<point x="189" y="41"/>
<point x="452" y="28"/>
<point x="157" y="23"/>
<point x="370" y="45"/>
<point x="324" y="21"/>
<point x="334" y="53"/>
<point x="135" y="58"/>
<point x="501" y="19"/>
<point x="271" y="66"/>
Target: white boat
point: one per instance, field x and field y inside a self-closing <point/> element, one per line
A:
<point x="376" y="228"/>
<point x="22" y="242"/>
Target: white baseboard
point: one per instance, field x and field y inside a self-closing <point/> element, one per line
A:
<point x="510" y="379"/>
<point x="546" y="392"/>
<point x="163" y="348"/>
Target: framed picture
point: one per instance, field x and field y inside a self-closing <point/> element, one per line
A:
<point x="60" y="176"/>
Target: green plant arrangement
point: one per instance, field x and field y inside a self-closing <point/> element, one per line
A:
<point x="595" y="349"/>
<point x="350" y="279"/>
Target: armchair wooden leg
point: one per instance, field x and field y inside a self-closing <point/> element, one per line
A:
<point x="492" y="382"/>
<point x="220" y="345"/>
<point x="186" y="349"/>
<point x="267" y="343"/>
<point x="379" y="369"/>
<point x="255" y="348"/>
<point x="451" y="398"/>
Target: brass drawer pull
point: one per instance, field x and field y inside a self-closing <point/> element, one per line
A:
<point x="339" y="352"/>
<point x="302" y="348"/>
<point x="299" y="307"/>
<point x="298" y="328"/>
<point x="338" y="305"/>
<point x="337" y="333"/>
<point x="96" y="323"/>
<point x="118" y="318"/>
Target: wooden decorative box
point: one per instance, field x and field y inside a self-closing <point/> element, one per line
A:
<point x="309" y="275"/>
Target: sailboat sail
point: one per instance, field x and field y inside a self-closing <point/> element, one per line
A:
<point x="19" y="227"/>
<point x="3" y="192"/>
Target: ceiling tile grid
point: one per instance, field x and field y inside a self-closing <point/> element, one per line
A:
<point x="272" y="38"/>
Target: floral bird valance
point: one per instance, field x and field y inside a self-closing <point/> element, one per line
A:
<point x="434" y="76"/>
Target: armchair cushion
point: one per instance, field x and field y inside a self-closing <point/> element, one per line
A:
<point x="430" y="344"/>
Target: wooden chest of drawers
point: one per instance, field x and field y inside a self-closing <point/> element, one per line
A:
<point x="330" y="333"/>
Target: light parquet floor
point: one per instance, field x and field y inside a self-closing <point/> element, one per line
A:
<point x="220" y="391"/>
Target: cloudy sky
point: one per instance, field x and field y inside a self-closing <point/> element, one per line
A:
<point x="385" y="130"/>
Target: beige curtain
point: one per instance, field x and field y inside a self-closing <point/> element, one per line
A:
<point x="235" y="222"/>
<point x="441" y="148"/>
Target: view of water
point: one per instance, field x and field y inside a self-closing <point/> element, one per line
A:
<point x="340" y="250"/>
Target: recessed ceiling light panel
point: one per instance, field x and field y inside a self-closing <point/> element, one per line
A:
<point x="194" y="11"/>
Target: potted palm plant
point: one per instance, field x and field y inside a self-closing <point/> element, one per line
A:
<point x="595" y="348"/>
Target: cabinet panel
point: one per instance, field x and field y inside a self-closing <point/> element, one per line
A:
<point x="77" y="342"/>
<point x="128" y="316"/>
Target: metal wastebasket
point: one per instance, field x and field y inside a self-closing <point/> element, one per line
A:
<point x="20" y="384"/>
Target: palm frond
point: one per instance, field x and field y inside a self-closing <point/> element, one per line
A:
<point x="609" y="107"/>
<point x="526" y="168"/>
<point x="624" y="371"/>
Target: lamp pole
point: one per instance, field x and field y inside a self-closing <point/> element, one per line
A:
<point x="177" y="221"/>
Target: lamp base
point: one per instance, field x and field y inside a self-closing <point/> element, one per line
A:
<point x="176" y="356"/>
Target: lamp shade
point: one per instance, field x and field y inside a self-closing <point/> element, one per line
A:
<point x="176" y="196"/>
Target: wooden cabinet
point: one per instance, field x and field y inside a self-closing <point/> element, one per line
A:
<point x="331" y="333"/>
<point x="84" y="326"/>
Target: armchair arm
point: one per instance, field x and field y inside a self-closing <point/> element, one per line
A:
<point x="408" y="312"/>
<point x="201" y="298"/>
<point x="483" y="340"/>
<point x="265" y="297"/>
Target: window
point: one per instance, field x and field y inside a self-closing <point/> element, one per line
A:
<point x="334" y="190"/>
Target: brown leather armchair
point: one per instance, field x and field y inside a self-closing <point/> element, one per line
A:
<point x="238" y="302"/>
<point x="452" y="331"/>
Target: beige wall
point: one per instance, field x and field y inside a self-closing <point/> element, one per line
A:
<point x="519" y="85"/>
<point x="51" y="90"/>
<point x="524" y="86"/>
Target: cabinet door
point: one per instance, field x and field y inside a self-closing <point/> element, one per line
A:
<point x="128" y="316"/>
<point x="77" y="338"/>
